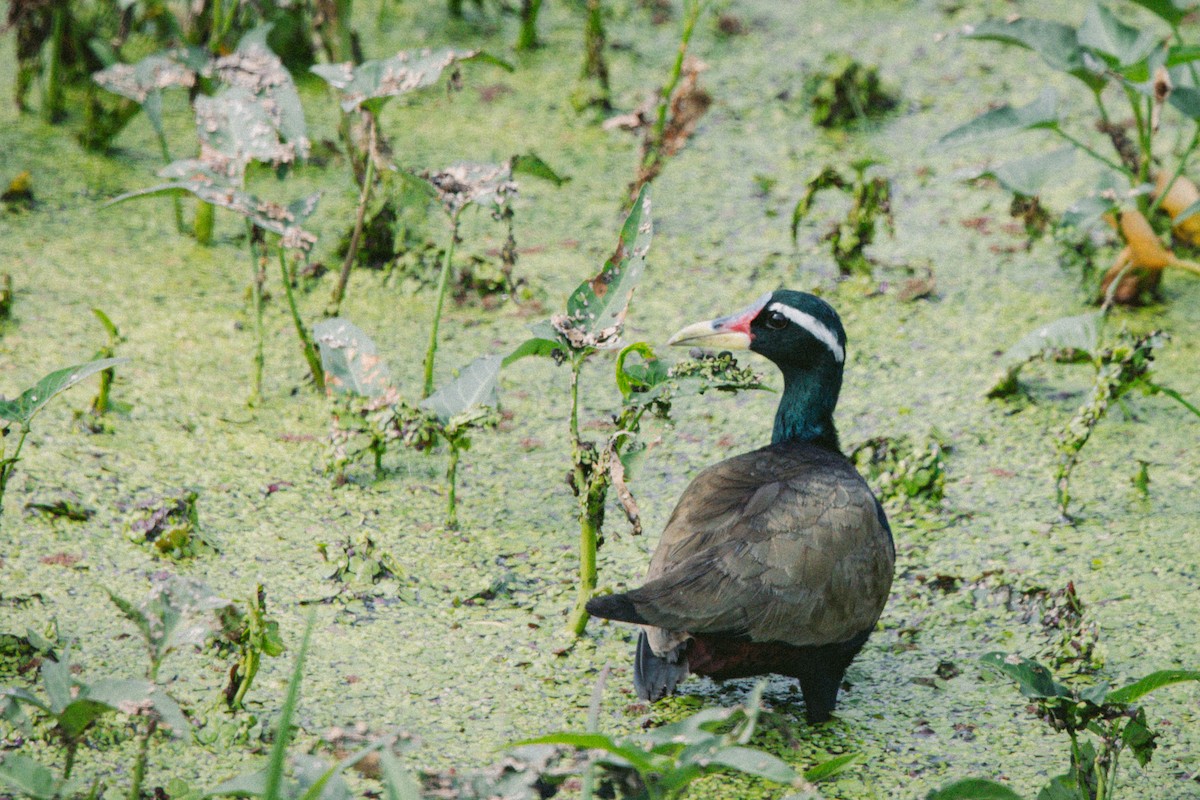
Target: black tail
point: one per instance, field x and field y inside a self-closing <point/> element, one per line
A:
<point x="655" y="676"/>
<point x="615" y="606"/>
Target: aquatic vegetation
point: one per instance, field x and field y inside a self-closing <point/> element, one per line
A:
<point x="171" y="524"/>
<point x="870" y="201"/>
<point x="365" y="89"/>
<point x="245" y="637"/>
<point x="663" y="762"/>
<point x="847" y="92"/>
<point x="1122" y="364"/>
<point x="21" y="411"/>
<point x="593" y="322"/>
<point x="1152" y="72"/>
<point x="354" y="369"/>
<point x="903" y="472"/>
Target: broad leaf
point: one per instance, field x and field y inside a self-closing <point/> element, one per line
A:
<point x="973" y="789"/>
<point x="1086" y="212"/>
<point x="474" y="386"/>
<point x="1170" y="11"/>
<point x="250" y="784"/>
<point x="256" y="69"/>
<point x="534" y="347"/>
<point x="370" y="84"/>
<point x="398" y="782"/>
<point x="27" y="777"/>
<point x="1041" y="113"/>
<point x="24" y="408"/>
<point x="1027" y="176"/>
<point x="75" y="718"/>
<point x="460" y="185"/>
<point x="143" y="82"/>
<point x="1119" y="44"/>
<point x="1034" y="680"/>
<point x="350" y="360"/>
<point x="1153" y="681"/>
<point x="754" y="762"/>
<point x="628" y="754"/>
<point x="530" y="164"/>
<point x="1186" y="100"/>
<point x="58" y="683"/>
<point x="198" y="178"/>
<point x="1056" y="43"/>
<point x="834" y="766"/>
<point x="1070" y="339"/>
<point x="139" y="697"/>
<point x="236" y="127"/>
<point x="596" y="309"/>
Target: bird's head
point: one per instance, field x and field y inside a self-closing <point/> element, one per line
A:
<point x="796" y="330"/>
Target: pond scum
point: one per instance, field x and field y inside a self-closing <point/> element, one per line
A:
<point x="312" y="534"/>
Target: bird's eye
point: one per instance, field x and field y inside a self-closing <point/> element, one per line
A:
<point x="776" y="321"/>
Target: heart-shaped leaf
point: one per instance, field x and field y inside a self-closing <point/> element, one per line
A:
<point x="1005" y="120"/>
<point x="24" y="408"/>
<point x="370" y="84"/>
<point x="475" y="386"/>
<point x="350" y="360"/>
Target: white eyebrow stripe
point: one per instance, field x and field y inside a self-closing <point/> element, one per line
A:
<point x="814" y="326"/>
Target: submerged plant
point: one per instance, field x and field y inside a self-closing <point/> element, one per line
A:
<point x="593" y="322"/>
<point x="373" y="410"/>
<point x="21" y="411"/>
<point x="365" y="89"/>
<point x="1150" y="72"/>
<point x="870" y="201"/>
<point x="1122" y="364"/>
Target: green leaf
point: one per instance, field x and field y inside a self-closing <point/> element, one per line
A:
<point x="834" y="766"/>
<point x="398" y="782"/>
<point x="254" y="67"/>
<point x="1005" y="120"/>
<point x="1186" y="100"/>
<point x="1086" y="212"/>
<point x="350" y="360"/>
<point x="1148" y="684"/>
<point x="283" y="728"/>
<point x="139" y="696"/>
<point x="466" y="183"/>
<point x="530" y="164"/>
<point x="1034" y="680"/>
<point x="1168" y="10"/>
<point x="250" y="784"/>
<point x="1027" y="176"/>
<point x="596" y="309"/>
<point x="237" y="126"/>
<point x="1070" y="339"/>
<point x="974" y="789"/>
<point x="372" y="83"/>
<point x="1056" y="43"/>
<point x="631" y="754"/>
<point x="58" y="683"/>
<point x="1061" y="787"/>
<point x="75" y="718"/>
<point x="27" y="777"/>
<point x="533" y="347"/>
<point x="1119" y="44"/>
<point x="639" y="376"/>
<point x="23" y="409"/>
<point x="143" y="82"/>
<point x="754" y="762"/>
<point x="475" y="386"/>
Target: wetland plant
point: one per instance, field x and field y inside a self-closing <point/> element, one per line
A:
<point x="245" y="637"/>
<point x="846" y="92"/>
<point x="373" y="414"/>
<point x="364" y="90"/>
<point x="171" y="524"/>
<point x="593" y="323"/>
<point x="1102" y="723"/>
<point x="1122" y="364"/>
<point x="21" y="410"/>
<point x="870" y="201"/>
<point x="1148" y="72"/>
<point x="663" y="762"/>
<point x="902" y="472"/>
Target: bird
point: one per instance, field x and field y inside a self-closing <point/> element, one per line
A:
<point x="779" y="560"/>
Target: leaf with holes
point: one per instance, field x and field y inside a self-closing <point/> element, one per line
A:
<point x="144" y="82"/>
<point x="475" y="386"/>
<point x="351" y="363"/>
<point x="372" y="83"/>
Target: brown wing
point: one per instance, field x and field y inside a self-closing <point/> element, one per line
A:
<point x="785" y="543"/>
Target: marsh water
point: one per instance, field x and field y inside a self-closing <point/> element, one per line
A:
<point x="468" y="651"/>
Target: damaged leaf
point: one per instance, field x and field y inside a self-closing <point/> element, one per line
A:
<point x="370" y="84"/>
<point x="475" y="386"/>
<point x="350" y="360"/>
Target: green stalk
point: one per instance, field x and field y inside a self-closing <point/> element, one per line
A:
<point x="1179" y="169"/>
<point x="589" y="532"/>
<point x="52" y="99"/>
<point x="451" y="480"/>
<point x="143" y="756"/>
<point x="594" y="65"/>
<point x="364" y="197"/>
<point x="202" y="225"/>
<point x="175" y="201"/>
<point x="443" y="282"/>
<point x="306" y="342"/>
<point x="668" y="89"/>
<point x="1093" y="153"/>
<point x="257" y="278"/>
<point x="527" y="39"/>
<point x="283" y="729"/>
<point x="8" y="464"/>
<point x="72" y="747"/>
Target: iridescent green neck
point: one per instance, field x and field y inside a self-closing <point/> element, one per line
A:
<point x="805" y="412"/>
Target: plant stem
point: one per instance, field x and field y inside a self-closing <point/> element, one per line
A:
<point x="306" y="342"/>
<point x="594" y="65"/>
<point x="52" y="100"/>
<point x="257" y="278"/>
<point x="1093" y="153"/>
<point x="589" y="536"/>
<point x="202" y="224"/>
<point x="364" y="197"/>
<point x="72" y="746"/>
<point x="654" y="153"/>
<point x="8" y="464"/>
<point x="139" y="766"/>
<point x="451" y="480"/>
<point x="175" y="200"/>
<point x="527" y="39"/>
<point x="443" y="282"/>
